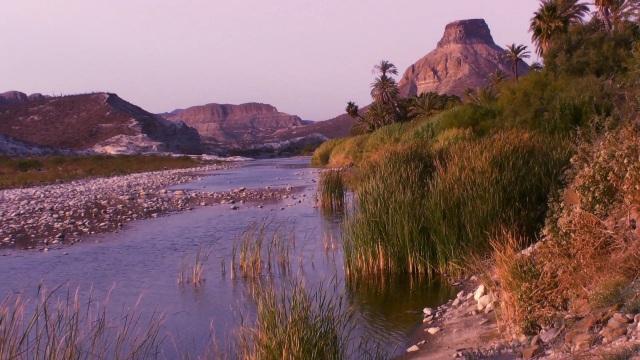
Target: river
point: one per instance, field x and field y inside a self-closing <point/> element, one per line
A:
<point x="140" y="264"/>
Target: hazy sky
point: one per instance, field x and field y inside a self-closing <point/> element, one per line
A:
<point x="306" y="57"/>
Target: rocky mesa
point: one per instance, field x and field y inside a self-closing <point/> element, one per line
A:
<point x="251" y="128"/>
<point x="100" y="122"/>
<point x="464" y="58"/>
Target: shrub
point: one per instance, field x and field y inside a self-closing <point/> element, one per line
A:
<point x="555" y="105"/>
<point x="589" y="257"/>
<point x="322" y="154"/>
<point x="587" y="50"/>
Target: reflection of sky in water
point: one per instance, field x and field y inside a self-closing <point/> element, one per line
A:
<point x="145" y="258"/>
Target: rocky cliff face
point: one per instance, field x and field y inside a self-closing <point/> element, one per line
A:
<point x="464" y="58"/>
<point x="235" y="125"/>
<point x="101" y="122"/>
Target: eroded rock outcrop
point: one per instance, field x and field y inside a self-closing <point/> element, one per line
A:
<point x="465" y="58"/>
<point x="244" y="124"/>
<point x="101" y="122"/>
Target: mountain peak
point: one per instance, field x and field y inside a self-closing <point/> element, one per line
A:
<point x="471" y="31"/>
<point x="465" y="58"/>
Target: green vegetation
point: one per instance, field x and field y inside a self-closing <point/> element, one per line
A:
<point x="445" y="205"/>
<point x="193" y="272"/>
<point x="262" y="249"/>
<point x="331" y="191"/>
<point x="23" y="172"/>
<point x="297" y="324"/>
<point x="442" y="188"/>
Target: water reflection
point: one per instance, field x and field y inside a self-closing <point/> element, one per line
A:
<point x="141" y="264"/>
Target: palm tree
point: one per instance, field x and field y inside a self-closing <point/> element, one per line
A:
<point x="615" y="12"/>
<point x="497" y="77"/>
<point x="516" y="54"/>
<point x="385" y="90"/>
<point x="385" y="67"/>
<point x="554" y="17"/>
<point x="353" y="110"/>
<point x="425" y="104"/>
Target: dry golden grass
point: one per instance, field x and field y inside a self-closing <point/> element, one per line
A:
<point x="590" y="257"/>
<point x="23" y="172"/>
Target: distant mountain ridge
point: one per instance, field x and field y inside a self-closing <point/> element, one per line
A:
<point x="235" y="125"/>
<point x="101" y="122"/>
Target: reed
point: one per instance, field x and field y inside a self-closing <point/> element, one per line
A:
<point x="193" y="273"/>
<point x="63" y="327"/>
<point x="263" y="249"/>
<point x="331" y="191"/>
<point x="388" y="231"/>
<point x="297" y="324"/>
<point x="425" y="213"/>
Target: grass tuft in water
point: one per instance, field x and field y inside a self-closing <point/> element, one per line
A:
<point x="262" y="249"/>
<point x="61" y="326"/>
<point x="193" y="273"/>
<point x="297" y="324"/>
<point x="332" y="191"/>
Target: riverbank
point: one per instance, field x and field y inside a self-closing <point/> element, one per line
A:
<point x="60" y="214"/>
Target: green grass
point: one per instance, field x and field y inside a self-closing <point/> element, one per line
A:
<point x="388" y="231"/>
<point x="424" y="213"/>
<point x="262" y="249"/>
<point x="297" y="324"/>
<point x="331" y="191"/>
<point x="24" y="172"/>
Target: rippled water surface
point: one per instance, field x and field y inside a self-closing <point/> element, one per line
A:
<point x="140" y="264"/>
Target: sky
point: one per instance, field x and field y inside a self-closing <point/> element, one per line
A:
<point x="306" y="57"/>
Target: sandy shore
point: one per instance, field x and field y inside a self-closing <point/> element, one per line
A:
<point x="60" y="214"/>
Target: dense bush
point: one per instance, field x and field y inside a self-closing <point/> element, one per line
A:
<point x="591" y="226"/>
<point x="587" y="50"/>
<point x="555" y="105"/>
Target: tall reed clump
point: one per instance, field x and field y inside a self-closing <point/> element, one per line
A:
<point x="54" y="327"/>
<point x="389" y="231"/>
<point x="422" y="213"/>
<point x="193" y="273"/>
<point x="332" y="191"/>
<point x="296" y="324"/>
<point x="262" y="249"/>
<point x="480" y="187"/>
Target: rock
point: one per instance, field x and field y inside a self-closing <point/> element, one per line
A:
<point x="484" y="301"/>
<point x="433" y="330"/>
<point x="236" y="125"/>
<point x="102" y="122"/>
<point x="464" y="58"/>
<point x="549" y="334"/>
<point x="413" y="348"/>
<point x="427" y="311"/>
<point x="489" y="308"/>
<point x="234" y="207"/>
<point x="531" y="352"/>
<point x="479" y="293"/>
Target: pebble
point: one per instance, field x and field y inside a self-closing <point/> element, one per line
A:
<point x="42" y="216"/>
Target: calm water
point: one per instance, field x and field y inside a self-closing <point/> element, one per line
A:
<point x="140" y="264"/>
